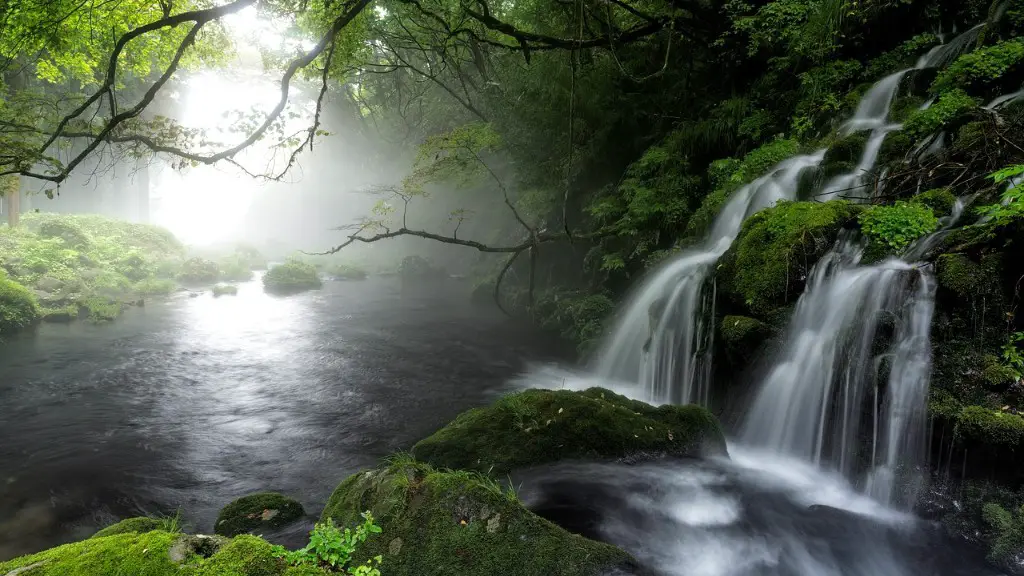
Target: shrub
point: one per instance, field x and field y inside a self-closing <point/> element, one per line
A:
<point x="347" y="272"/>
<point x="951" y="107"/>
<point x="895" y="227"/>
<point x="199" y="271"/>
<point x="235" y="269"/>
<point x="155" y="287"/>
<point x="577" y="317"/>
<point x="331" y="549"/>
<point x="980" y="69"/>
<point x="101" y="309"/>
<point x="66" y="229"/>
<point x="18" y="307"/>
<point x="940" y="200"/>
<point x="225" y="290"/>
<point x="292" y="276"/>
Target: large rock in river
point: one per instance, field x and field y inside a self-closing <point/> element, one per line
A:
<point x="441" y="523"/>
<point x="257" y="512"/>
<point x="157" y="553"/>
<point x="539" y="426"/>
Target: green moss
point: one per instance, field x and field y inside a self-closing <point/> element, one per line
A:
<point x="139" y="524"/>
<point x="742" y="336"/>
<point x="155" y="287"/>
<point x="445" y="523"/>
<point x="577" y="317"/>
<point x="347" y="272"/>
<point x="949" y="111"/>
<point x="199" y="271"/>
<point x="257" y="512"/>
<point x="846" y="149"/>
<point x="967" y="278"/>
<point x="901" y="57"/>
<point x="970" y="136"/>
<point x="67" y="230"/>
<point x="225" y="290"/>
<point x="940" y="200"/>
<point x="292" y="276"/>
<point x="943" y="405"/>
<point x="990" y="427"/>
<point x="895" y="147"/>
<point x="18" y="307"/>
<point x="101" y="309"/>
<point x="59" y="314"/>
<point x="982" y="68"/>
<point x="1007" y="536"/>
<point x="995" y="373"/>
<point x="157" y="553"/>
<point x="538" y="426"/>
<point x="704" y="217"/>
<point x="235" y="269"/>
<point x="890" y="229"/>
<point x="776" y="249"/>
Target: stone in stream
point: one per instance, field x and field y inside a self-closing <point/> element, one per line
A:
<point x="539" y="426"/>
<point x="462" y="522"/>
<point x="257" y="512"/>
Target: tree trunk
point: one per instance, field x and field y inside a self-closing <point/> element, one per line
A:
<point x="11" y="189"/>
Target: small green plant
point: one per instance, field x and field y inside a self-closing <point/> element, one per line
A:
<point x="897" y="226"/>
<point x="331" y="548"/>
<point x="1011" y="204"/>
<point x="982" y="67"/>
<point x="1007" y="531"/>
<point x="1013" y="358"/>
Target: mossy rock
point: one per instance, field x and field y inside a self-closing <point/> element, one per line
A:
<point x="156" y="553"/>
<point x="18" y="307"/>
<point x="847" y="149"/>
<point x="257" y="512"/>
<point x="968" y="279"/>
<point x="224" y="290"/>
<point x="539" y="426"/>
<point x="940" y="200"/>
<point x="290" y="277"/>
<point x="742" y="336"/>
<point x="993" y="428"/>
<point x="139" y="525"/>
<point x="67" y="230"/>
<point x="59" y="315"/>
<point x="895" y="148"/>
<point x="199" y="271"/>
<point x="768" y="263"/>
<point x="441" y="523"/>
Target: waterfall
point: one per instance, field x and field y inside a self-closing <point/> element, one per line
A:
<point x="662" y="340"/>
<point x="873" y="109"/>
<point x="943" y="54"/>
<point x="816" y="402"/>
<point x="850" y="184"/>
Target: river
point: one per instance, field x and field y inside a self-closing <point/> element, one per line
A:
<point x="189" y="403"/>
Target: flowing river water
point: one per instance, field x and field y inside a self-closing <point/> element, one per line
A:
<point x="192" y="402"/>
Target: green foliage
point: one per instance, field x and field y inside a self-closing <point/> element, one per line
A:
<point x="951" y="107"/>
<point x="18" y="307"/>
<point x="577" y="317"/>
<point x="100" y="309"/>
<point x="900" y="58"/>
<point x="224" y="290"/>
<point x="331" y="548"/>
<point x="157" y="553"/>
<point x="1011" y="205"/>
<point x="141" y="525"/>
<point x="236" y="268"/>
<point x="155" y="287"/>
<point x="978" y="70"/>
<point x="456" y="156"/>
<point x="822" y="90"/>
<point x="539" y="426"/>
<point x="776" y="248"/>
<point x="990" y="427"/>
<point x="940" y="200"/>
<point x="291" y="276"/>
<point x="1012" y="356"/>
<point x="897" y="226"/>
<point x="1008" y="532"/>
<point x="257" y="511"/>
<point x="67" y="230"/>
<point x="454" y="522"/>
<point x="199" y="271"/>
<point x="969" y="279"/>
<point x="418" y="267"/>
<point x="347" y="272"/>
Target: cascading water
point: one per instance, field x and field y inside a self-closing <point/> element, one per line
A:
<point x="662" y="341"/>
<point x="812" y="402"/>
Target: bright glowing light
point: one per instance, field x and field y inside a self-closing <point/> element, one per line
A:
<point x="207" y="204"/>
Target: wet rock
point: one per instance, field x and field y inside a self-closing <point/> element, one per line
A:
<point x="198" y="545"/>
<point x="539" y="426"/>
<point x="434" y="518"/>
<point x="257" y="512"/>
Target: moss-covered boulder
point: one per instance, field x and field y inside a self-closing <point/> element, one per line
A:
<point x="845" y="152"/>
<point x="67" y="230"/>
<point x="199" y="271"/>
<point x="224" y="290"/>
<point x="156" y="553"/>
<point x="347" y="272"/>
<point x="18" y="307"/>
<point x="940" y="200"/>
<point x="538" y="426"/>
<point x="292" y="276"/>
<point x="443" y="523"/>
<point x="741" y="337"/>
<point x="140" y="524"/>
<point x="776" y="249"/>
<point x="265" y="510"/>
